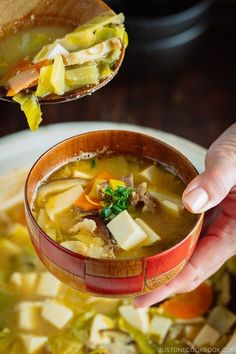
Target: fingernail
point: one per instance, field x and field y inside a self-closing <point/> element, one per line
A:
<point x="196" y="199"/>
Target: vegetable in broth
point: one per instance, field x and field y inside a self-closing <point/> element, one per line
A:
<point x="46" y="63"/>
<point x="113" y="206"/>
<point x="40" y="315"/>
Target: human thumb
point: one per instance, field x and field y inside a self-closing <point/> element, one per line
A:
<point x="212" y="186"/>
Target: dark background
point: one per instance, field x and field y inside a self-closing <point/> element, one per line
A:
<point x="196" y="100"/>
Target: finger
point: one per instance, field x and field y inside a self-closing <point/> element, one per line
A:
<point x="212" y="186"/>
<point x="210" y="254"/>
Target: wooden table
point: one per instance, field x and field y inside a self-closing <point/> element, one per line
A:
<point x="197" y="102"/>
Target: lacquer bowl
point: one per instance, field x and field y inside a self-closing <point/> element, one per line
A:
<point x="109" y="277"/>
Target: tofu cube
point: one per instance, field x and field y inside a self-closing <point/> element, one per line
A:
<point x="171" y="207"/>
<point x="137" y="318"/>
<point x="151" y="173"/>
<point x="221" y="319"/>
<point x="83" y="175"/>
<point x="48" y="285"/>
<point x="50" y="52"/>
<point x="99" y="323"/>
<point x="152" y="236"/>
<point x="56" y="314"/>
<point x="33" y="344"/>
<point x="160" y="326"/>
<point x="126" y="231"/>
<point x="29" y="315"/>
<point x="207" y="336"/>
<point x="16" y="279"/>
<point x="62" y="201"/>
<point x="29" y="280"/>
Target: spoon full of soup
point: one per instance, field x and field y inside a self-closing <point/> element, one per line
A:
<point x="52" y="51"/>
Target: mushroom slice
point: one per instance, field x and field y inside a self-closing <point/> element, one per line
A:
<point x="58" y="185"/>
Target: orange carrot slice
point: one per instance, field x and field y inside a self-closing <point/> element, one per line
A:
<point x="84" y="201"/>
<point x="189" y="305"/>
<point x="93" y="201"/>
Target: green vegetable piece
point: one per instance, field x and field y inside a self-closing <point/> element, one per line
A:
<point x="106" y="32"/>
<point x="115" y="201"/>
<point x="84" y="36"/>
<point x="141" y="339"/>
<point x="82" y="76"/>
<point x="104" y="71"/>
<point x="93" y="163"/>
<point x="57" y="79"/>
<point x="44" y="85"/>
<point x="30" y="106"/>
<point x="7" y="301"/>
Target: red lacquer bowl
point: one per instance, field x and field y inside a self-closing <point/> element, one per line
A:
<point x="109" y="277"/>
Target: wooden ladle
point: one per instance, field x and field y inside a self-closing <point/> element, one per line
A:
<point x="18" y="14"/>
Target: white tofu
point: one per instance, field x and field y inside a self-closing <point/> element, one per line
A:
<point x="29" y="315"/>
<point x="172" y="203"/>
<point x="50" y="52"/>
<point x="221" y="319"/>
<point x="160" y="326"/>
<point x="100" y="322"/>
<point x="137" y="318"/>
<point x="150" y="173"/>
<point x="83" y="175"/>
<point x="48" y="285"/>
<point x="16" y="279"/>
<point x="170" y="206"/>
<point x="33" y="344"/>
<point x="56" y="314"/>
<point x="29" y="280"/>
<point x="230" y="346"/>
<point x="152" y="236"/>
<point x="24" y="280"/>
<point x="62" y="201"/>
<point x="207" y="336"/>
<point x="126" y="231"/>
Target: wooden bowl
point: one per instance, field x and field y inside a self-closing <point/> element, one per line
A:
<point x="18" y="14"/>
<point x="110" y="277"/>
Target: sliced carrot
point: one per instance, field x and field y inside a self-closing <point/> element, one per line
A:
<point x="189" y="305"/>
<point x="84" y="202"/>
<point x="11" y="93"/>
<point x="93" y="201"/>
<point x="21" y="71"/>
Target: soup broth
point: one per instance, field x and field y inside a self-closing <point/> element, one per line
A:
<point x="126" y="207"/>
<point x="25" y="44"/>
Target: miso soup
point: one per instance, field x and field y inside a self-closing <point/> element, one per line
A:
<point x="113" y="206"/>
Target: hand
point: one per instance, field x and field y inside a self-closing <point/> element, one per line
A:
<point x="215" y="186"/>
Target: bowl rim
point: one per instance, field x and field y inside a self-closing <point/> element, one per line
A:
<point x="102" y="260"/>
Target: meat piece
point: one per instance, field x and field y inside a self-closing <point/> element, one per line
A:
<point x="129" y="180"/>
<point x="142" y="189"/>
<point x="142" y="195"/>
<point x="102" y="230"/>
<point x="86" y="224"/>
<point x="134" y="198"/>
